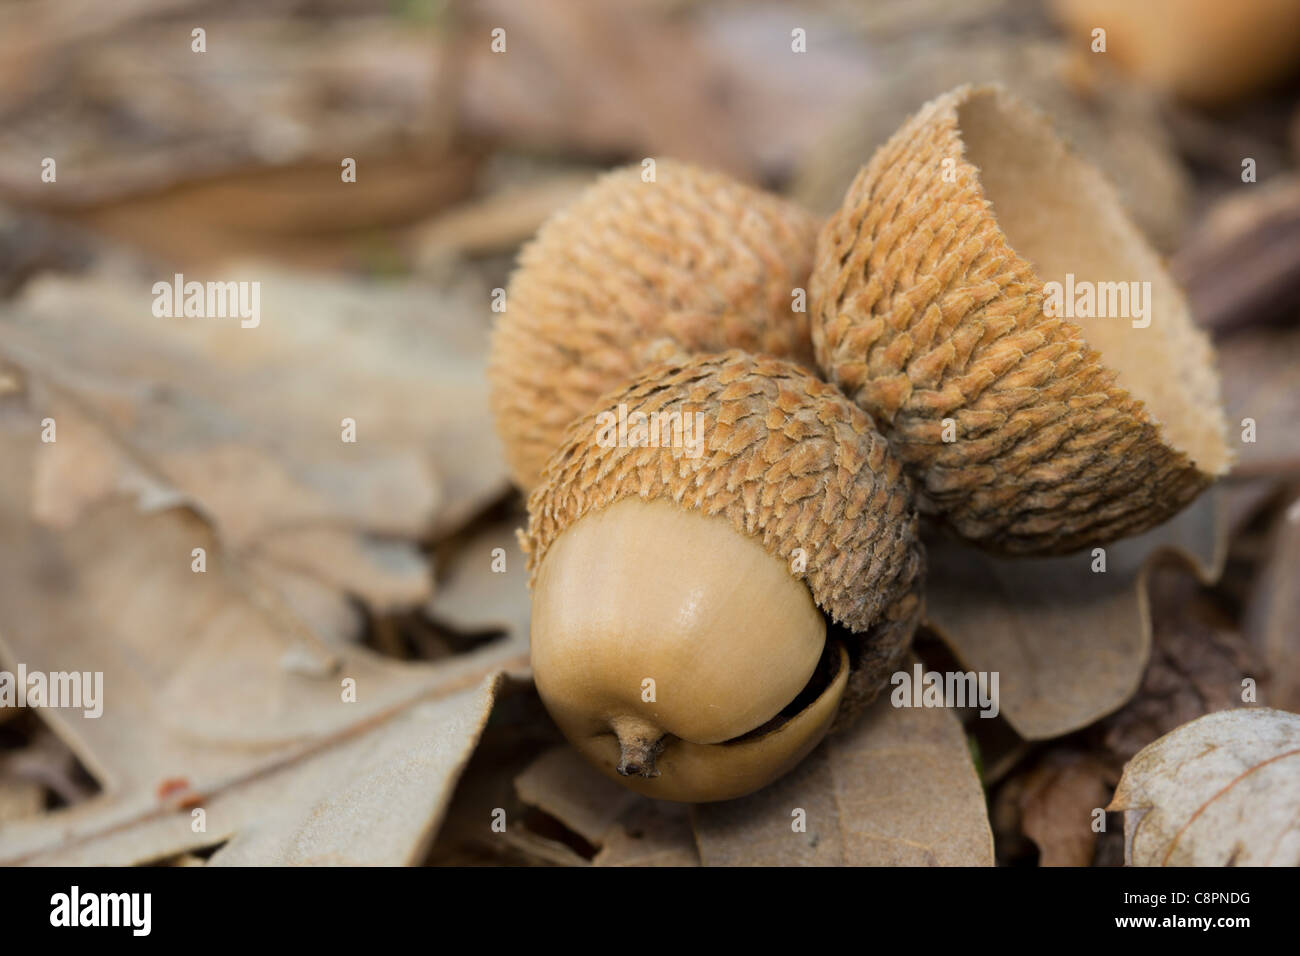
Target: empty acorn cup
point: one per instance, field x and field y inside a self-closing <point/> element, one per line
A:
<point x="981" y="293"/>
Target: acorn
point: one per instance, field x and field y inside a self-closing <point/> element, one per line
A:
<point x="970" y="294"/>
<point x="1208" y="52"/>
<point x="688" y="542"/>
<point x="691" y="258"/>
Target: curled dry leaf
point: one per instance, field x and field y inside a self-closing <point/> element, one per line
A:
<point x="201" y="708"/>
<point x="1223" y="790"/>
<point x="896" y="789"/>
<point x="1070" y="644"/>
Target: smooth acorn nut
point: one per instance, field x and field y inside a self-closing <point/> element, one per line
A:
<point x="687" y="632"/>
<point x="950" y="301"/>
<point x="680" y="575"/>
<point x="1209" y="52"/>
<point x="692" y="258"/>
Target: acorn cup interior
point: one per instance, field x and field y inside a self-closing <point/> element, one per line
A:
<point x="1059" y="214"/>
<point x="678" y="655"/>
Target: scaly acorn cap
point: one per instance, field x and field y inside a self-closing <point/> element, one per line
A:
<point x="694" y="258"/>
<point x="789" y="462"/>
<point x="929" y="303"/>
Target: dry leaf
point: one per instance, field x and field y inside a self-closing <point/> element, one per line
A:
<point x="1198" y="662"/>
<point x="896" y="789"/>
<point x="1274" y="609"/>
<point x="626" y="829"/>
<point x="564" y="785"/>
<point x="650" y="833"/>
<point x="1056" y="805"/>
<point x="206" y="702"/>
<point x="325" y="611"/>
<point x="1223" y="790"/>
<point x="20" y="798"/>
<point x="247" y="423"/>
<point x="1199" y="659"/>
<point x="1069" y="643"/>
<point x="606" y="89"/>
<point x="1260" y="369"/>
<point x="1242" y="265"/>
<point x="498" y="222"/>
<point x="301" y="215"/>
<point x="484" y="587"/>
<point x="269" y="91"/>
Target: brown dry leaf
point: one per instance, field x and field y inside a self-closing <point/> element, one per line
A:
<point x="1070" y="644"/>
<point x="1198" y="662"/>
<point x="1223" y="790"/>
<point x="498" y="222"/>
<point x="650" y="833"/>
<point x="1199" y="659"/>
<point x="207" y="702"/>
<point x="484" y="586"/>
<point x="1056" y="807"/>
<point x="626" y="829"/>
<point x="619" y="79"/>
<point x="562" y="784"/>
<point x="237" y="151"/>
<point x="896" y="789"/>
<point x="794" y="99"/>
<point x="1260" y="369"/>
<point x="390" y="574"/>
<point x="1241" y="266"/>
<point x="20" y="798"/>
<point x="132" y="108"/>
<point x="246" y="423"/>
<point x="1274" y="608"/>
<point x="302" y="215"/>
<point x="324" y="610"/>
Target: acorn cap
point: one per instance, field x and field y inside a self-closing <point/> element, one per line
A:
<point x="693" y="258"/>
<point x="784" y="458"/>
<point x="1027" y="432"/>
